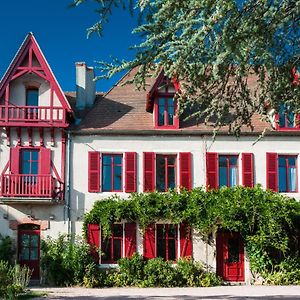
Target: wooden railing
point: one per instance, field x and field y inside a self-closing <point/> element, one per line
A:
<point x="27" y="114"/>
<point x="23" y="185"/>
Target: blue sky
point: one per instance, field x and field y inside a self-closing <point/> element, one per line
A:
<point x="61" y="34"/>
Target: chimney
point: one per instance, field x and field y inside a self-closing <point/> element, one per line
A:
<point x="85" y="86"/>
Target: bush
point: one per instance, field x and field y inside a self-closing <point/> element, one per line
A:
<point x="65" y="260"/>
<point x="13" y="280"/>
<point x="6" y="250"/>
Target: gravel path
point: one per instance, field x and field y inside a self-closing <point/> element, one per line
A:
<point x="214" y="293"/>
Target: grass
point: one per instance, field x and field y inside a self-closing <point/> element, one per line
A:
<point x="32" y="295"/>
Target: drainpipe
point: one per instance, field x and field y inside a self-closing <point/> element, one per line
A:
<point x="68" y="182"/>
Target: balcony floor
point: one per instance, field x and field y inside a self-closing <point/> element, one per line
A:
<point x="28" y="200"/>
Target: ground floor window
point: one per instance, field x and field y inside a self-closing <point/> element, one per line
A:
<point x="166" y="241"/>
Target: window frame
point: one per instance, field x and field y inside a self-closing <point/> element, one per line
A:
<point x="112" y="172"/>
<point x="30" y="150"/>
<point x="166" y="125"/>
<point x="286" y="128"/>
<point x="228" y="156"/>
<point x="166" y="166"/>
<point x="287" y="167"/>
<point x="167" y="238"/>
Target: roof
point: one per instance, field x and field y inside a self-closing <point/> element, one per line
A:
<point x="123" y="110"/>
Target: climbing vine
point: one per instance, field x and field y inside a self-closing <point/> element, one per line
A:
<point x="269" y="222"/>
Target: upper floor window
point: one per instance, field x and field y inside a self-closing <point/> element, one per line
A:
<point x="165" y="172"/>
<point x="287" y="178"/>
<point x="166" y="112"/>
<point x="287" y="119"/>
<point x="29" y="161"/>
<point x="112" y="172"/>
<point x="32" y="97"/>
<point x="228" y="170"/>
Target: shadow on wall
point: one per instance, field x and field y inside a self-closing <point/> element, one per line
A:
<point x="77" y="209"/>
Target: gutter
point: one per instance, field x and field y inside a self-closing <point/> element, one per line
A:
<point x="68" y="182"/>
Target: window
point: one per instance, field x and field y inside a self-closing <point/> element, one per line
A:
<point x="287" y="178"/>
<point x="32" y="97"/>
<point x="228" y="170"/>
<point x="165" y="172"/>
<point x="112" y="247"/>
<point x="166" y="112"/>
<point x="166" y="241"/>
<point x="29" y="161"/>
<point x="112" y="172"/>
<point x="286" y="116"/>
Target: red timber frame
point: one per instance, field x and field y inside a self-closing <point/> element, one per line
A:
<point x="45" y="119"/>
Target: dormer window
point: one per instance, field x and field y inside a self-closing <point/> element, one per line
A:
<point x="165" y="113"/>
<point x="287" y="119"/>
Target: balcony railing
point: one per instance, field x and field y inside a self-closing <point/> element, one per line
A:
<point x="35" y="114"/>
<point x="36" y="186"/>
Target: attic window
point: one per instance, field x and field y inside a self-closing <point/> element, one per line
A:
<point x="287" y="119"/>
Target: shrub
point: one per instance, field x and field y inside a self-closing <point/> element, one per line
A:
<point x="64" y="260"/>
<point x="6" y="250"/>
<point x="13" y="280"/>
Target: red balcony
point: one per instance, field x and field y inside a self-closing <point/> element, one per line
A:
<point x="22" y="186"/>
<point x="38" y="116"/>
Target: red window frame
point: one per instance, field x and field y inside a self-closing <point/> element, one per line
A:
<point x="113" y="155"/>
<point x="228" y="165"/>
<point x="166" y="124"/>
<point x="111" y="240"/>
<point x="287" y="167"/>
<point x="167" y="166"/>
<point x="167" y="238"/>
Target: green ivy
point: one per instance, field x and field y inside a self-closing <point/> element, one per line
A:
<point x="268" y="221"/>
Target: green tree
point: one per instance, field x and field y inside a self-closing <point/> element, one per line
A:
<point x="233" y="58"/>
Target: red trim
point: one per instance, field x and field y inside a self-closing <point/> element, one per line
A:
<point x="186" y="242"/>
<point x="272" y="171"/>
<point x="130" y="172"/>
<point x="93" y="171"/>
<point x="130" y="239"/>
<point x="93" y="239"/>
<point x="247" y="169"/>
<point x="185" y="170"/>
<point x="149" y="249"/>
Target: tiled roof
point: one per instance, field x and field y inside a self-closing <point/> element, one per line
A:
<point x="123" y="110"/>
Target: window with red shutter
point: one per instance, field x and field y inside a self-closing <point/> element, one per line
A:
<point x="185" y="170"/>
<point x="130" y="239"/>
<point x="14" y="162"/>
<point x="248" y="169"/>
<point x="94" y="240"/>
<point x="44" y="161"/>
<point x="130" y="172"/>
<point x="149" y="242"/>
<point x="272" y="171"/>
<point x="212" y="170"/>
<point x="149" y="158"/>
<point x="93" y="171"/>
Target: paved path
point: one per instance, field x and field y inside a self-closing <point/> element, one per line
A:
<point x="214" y="293"/>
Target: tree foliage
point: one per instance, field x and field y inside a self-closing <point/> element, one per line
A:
<point x="233" y="58"/>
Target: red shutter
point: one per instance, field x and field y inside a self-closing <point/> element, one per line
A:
<point x="130" y="239"/>
<point x="94" y="172"/>
<point x="14" y="162"/>
<point x="94" y="240"/>
<point x="212" y="170"/>
<point x="186" y="243"/>
<point x="272" y="171"/>
<point x="185" y="170"/>
<point x="149" y="158"/>
<point x="248" y="170"/>
<point x="149" y="242"/>
<point x="130" y="172"/>
<point x="44" y="161"/>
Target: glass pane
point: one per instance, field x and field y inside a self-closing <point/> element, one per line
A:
<point x="117" y="159"/>
<point x="106" y="178"/>
<point x="233" y="250"/>
<point x="160" y="173"/>
<point x="222" y="176"/>
<point x="32" y="98"/>
<point x="25" y="167"/>
<point x="25" y="155"/>
<point x="106" y="159"/>
<point x="292" y="161"/>
<point x="233" y="176"/>
<point x="281" y="116"/>
<point x="282" y="179"/>
<point x="34" y="168"/>
<point x="281" y="161"/>
<point x="292" y="179"/>
<point x="172" y="230"/>
<point x="161" y="111"/>
<point x="170" y="111"/>
<point x="34" y="155"/>
<point x="117" y="250"/>
<point x="222" y="161"/>
<point x="106" y="249"/>
<point x="160" y="231"/>
<point x="25" y="240"/>
<point x="34" y="241"/>
<point x="171" y="250"/>
<point x="161" y="248"/>
<point x="34" y="254"/>
<point x="233" y="160"/>
<point x="24" y="254"/>
<point x="290" y="119"/>
<point x="118" y="230"/>
<point x="171" y="178"/>
<point x="117" y="178"/>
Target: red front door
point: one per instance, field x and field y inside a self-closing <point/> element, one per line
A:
<point x="230" y="256"/>
<point x="29" y="248"/>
